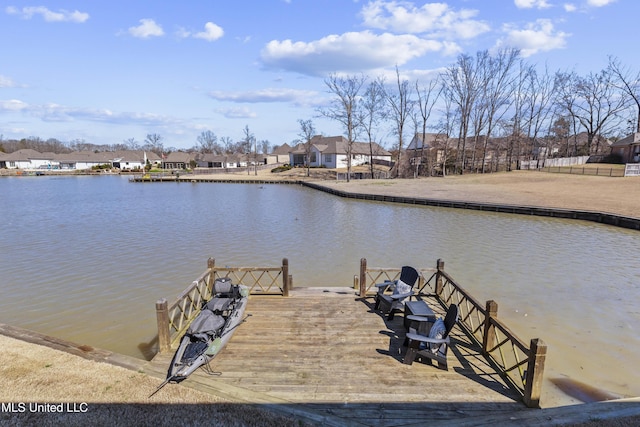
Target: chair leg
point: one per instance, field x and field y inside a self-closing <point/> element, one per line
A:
<point x="377" y="304"/>
<point x="412" y="352"/>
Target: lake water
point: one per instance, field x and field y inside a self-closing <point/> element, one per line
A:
<point x="86" y="258"/>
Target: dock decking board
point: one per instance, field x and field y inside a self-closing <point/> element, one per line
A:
<point x="326" y="351"/>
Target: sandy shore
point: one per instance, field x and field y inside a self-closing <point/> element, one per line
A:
<point x="619" y="196"/>
<point x="111" y="394"/>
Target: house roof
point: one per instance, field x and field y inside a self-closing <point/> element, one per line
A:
<point x="339" y="145"/>
<point x="27" y="154"/>
<point x="429" y="140"/>
<point x="632" y="139"/>
<point x="179" y="157"/>
<point x="283" y="149"/>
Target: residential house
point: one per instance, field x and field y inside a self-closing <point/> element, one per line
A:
<point x="3" y="156"/>
<point x="628" y="148"/>
<point x="30" y="159"/>
<point x="331" y="152"/>
<point x="281" y="153"/>
<point x="177" y="160"/>
<point x="222" y="161"/>
<point x="82" y="160"/>
<point x="427" y="144"/>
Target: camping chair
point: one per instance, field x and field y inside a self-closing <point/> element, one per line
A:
<point x="401" y="290"/>
<point x="434" y="346"/>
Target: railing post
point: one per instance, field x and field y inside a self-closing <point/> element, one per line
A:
<point x="363" y="277"/>
<point x="489" y="336"/>
<point x="356" y="282"/>
<point x="162" y="317"/>
<point x="211" y="266"/>
<point x="285" y="277"/>
<point x="439" y="284"/>
<point x="535" y="368"/>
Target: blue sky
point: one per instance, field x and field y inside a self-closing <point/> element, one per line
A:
<point x="105" y="72"/>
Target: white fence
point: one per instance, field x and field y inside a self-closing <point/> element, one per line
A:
<point x="548" y="163"/>
<point x="565" y="161"/>
<point x="632" y="169"/>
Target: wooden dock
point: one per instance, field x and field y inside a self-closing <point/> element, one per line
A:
<point x="324" y="354"/>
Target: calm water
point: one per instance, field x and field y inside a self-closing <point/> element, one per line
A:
<point x="86" y="258"/>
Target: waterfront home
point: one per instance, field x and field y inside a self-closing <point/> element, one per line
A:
<point x="3" y="163"/>
<point x="331" y="152"/>
<point x="628" y="148"/>
<point x="218" y="161"/>
<point x="178" y="160"/>
<point x="30" y="159"/>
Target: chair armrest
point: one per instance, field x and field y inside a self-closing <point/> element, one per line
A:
<point x="416" y="318"/>
<point x="422" y="338"/>
<point x="385" y="284"/>
<point x="401" y="296"/>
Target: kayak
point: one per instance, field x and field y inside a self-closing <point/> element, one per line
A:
<point x="211" y="329"/>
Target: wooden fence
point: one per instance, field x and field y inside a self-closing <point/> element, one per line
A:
<point x="174" y="319"/>
<point x="522" y="366"/>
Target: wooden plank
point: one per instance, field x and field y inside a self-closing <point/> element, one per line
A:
<point x="327" y="346"/>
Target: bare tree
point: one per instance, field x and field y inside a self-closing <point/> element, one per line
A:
<point x="595" y="101"/>
<point x="344" y="107"/>
<point x="448" y="119"/>
<point x="131" y="144"/>
<point x="427" y="97"/>
<point x="629" y="83"/>
<point x="153" y="142"/>
<point x="307" y="131"/>
<point x="247" y="146"/>
<point x="227" y="144"/>
<point x="540" y="88"/>
<point x="208" y="142"/>
<point x="372" y="112"/>
<point x="463" y="86"/>
<point x="496" y="81"/>
<point x="400" y="110"/>
<point x="264" y="146"/>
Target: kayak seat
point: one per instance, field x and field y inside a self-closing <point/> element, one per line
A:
<point x="218" y="305"/>
<point x="207" y="323"/>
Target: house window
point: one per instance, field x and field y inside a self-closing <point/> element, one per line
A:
<point x="313" y="157"/>
<point x="327" y="158"/>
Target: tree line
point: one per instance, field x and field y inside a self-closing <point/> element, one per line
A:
<point x="482" y="110"/>
<point x="488" y="108"/>
<point x="207" y="142"/>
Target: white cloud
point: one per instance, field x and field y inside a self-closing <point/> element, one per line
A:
<point x="211" y="32"/>
<point x="600" y="3"/>
<point x="262" y="95"/>
<point x="349" y="52"/>
<point x="535" y="37"/>
<point x="530" y="4"/>
<point x="48" y="15"/>
<point x="13" y="105"/>
<point x="237" y="113"/>
<point x="431" y="18"/>
<point x="147" y="28"/>
<point x="294" y="96"/>
<point x="6" y="82"/>
<point x="585" y="5"/>
<point x="59" y="113"/>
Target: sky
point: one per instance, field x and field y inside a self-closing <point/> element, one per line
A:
<point x="108" y="71"/>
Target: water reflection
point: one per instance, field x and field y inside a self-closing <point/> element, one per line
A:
<point x="85" y="259"/>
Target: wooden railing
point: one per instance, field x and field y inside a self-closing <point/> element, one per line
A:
<point x="520" y="365"/>
<point x="369" y="276"/>
<point x="174" y="319"/>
